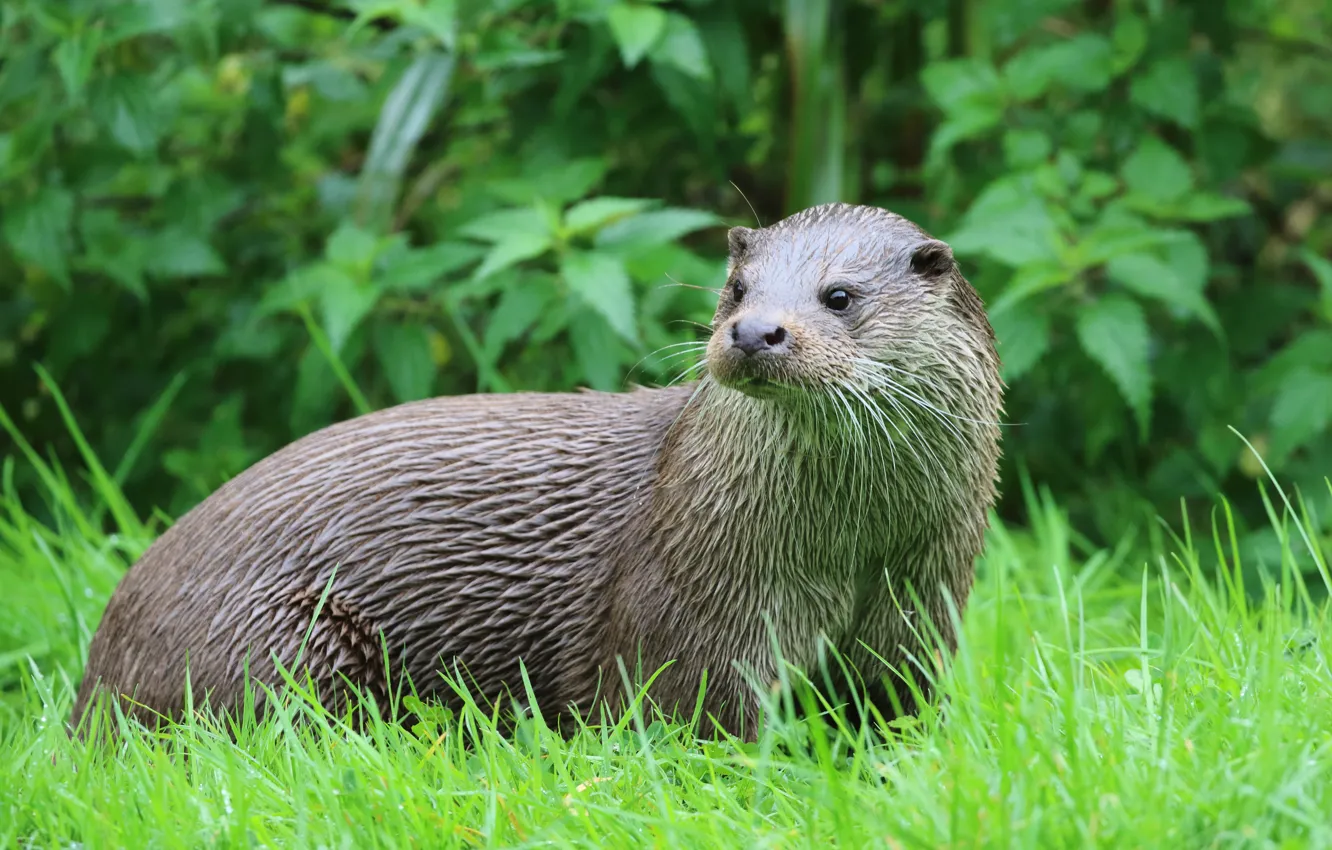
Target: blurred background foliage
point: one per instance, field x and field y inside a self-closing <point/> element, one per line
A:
<point x="226" y="223"/>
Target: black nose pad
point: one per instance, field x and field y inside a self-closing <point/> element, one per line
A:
<point x="753" y="334"/>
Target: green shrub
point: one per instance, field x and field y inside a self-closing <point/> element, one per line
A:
<point x="268" y="216"/>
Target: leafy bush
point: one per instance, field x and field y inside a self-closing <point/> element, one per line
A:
<point x="250" y="219"/>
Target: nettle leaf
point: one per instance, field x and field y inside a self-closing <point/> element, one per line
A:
<point x="600" y="280"/>
<point x="1169" y="90"/>
<point x="437" y="17"/>
<point x="74" y="58"/>
<point x="1322" y="271"/>
<point x="412" y="270"/>
<point x="1156" y="172"/>
<point x="1151" y="277"/>
<point x="1312" y="348"/>
<point x="970" y="94"/>
<point x="1010" y="223"/>
<point x="656" y="227"/>
<point x="344" y="303"/>
<point x="1113" y="332"/>
<point x="300" y="286"/>
<point x="127" y="107"/>
<point x="1187" y="255"/>
<point x="113" y="249"/>
<point x="39" y="231"/>
<point x="352" y="249"/>
<point x="518" y="309"/>
<point x="595" y="349"/>
<point x="404" y="354"/>
<point x="1302" y="409"/>
<point x="598" y="212"/>
<point x="1208" y="206"/>
<point x="1129" y="39"/>
<point x="572" y="180"/>
<point x="1023" y="336"/>
<point x="512" y="251"/>
<point x="176" y="253"/>
<point x="1028" y="281"/>
<point x="505" y="224"/>
<point x="635" y="29"/>
<point x="1083" y="63"/>
<point x="960" y="85"/>
<point x="681" y="47"/>
<point x="1025" y="148"/>
<point x="1118" y="232"/>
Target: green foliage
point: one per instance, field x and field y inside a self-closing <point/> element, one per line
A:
<point x="310" y="210"/>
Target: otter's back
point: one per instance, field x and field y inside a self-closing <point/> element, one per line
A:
<point x="468" y="527"/>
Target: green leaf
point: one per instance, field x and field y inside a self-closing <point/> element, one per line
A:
<point x="352" y="249"/>
<point x="602" y="283"/>
<point x="595" y="349"/>
<point x="1114" y="235"/>
<point x="1187" y="256"/>
<point x="1207" y="206"/>
<point x="39" y="231"/>
<point x="408" y="110"/>
<point x="598" y="212"/>
<point x="1129" y="39"/>
<point x="176" y="253"/>
<point x="300" y="286"/>
<point x="1010" y="223"/>
<point x="437" y="17"/>
<point x="681" y="47"/>
<point x="1113" y="332"/>
<point x="571" y="180"/>
<point x="403" y="352"/>
<point x="518" y="308"/>
<point x="112" y="249"/>
<point x="344" y="304"/>
<point x="655" y="227"/>
<point x="127" y="107"/>
<point x="315" y="392"/>
<point x="1302" y="410"/>
<point x="74" y="58"/>
<point x="1150" y="277"/>
<point x="512" y="251"/>
<point x="1083" y="63"/>
<point x="1168" y="89"/>
<point x="1023" y="336"/>
<point x="962" y="85"/>
<point x="1025" y="148"/>
<point x="506" y="224"/>
<point x="635" y="28"/>
<point x="416" y="269"/>
<point x="1156" y="171"/>
<point x="1322" y="271"/>
<point x="1028" y="281"/>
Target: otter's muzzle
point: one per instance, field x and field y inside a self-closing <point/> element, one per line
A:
<point x="759" y="334"/>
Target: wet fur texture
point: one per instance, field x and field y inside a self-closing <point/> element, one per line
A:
<point x="801" y="490"/>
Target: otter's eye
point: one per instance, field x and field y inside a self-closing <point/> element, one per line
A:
<point x="838" y="299"/>
<point x="737" y="290"/>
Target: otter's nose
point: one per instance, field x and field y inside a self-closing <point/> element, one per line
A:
<point x="753" y="334"/>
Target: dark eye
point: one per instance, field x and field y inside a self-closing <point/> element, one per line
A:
<point x="737" y="290"/>
<point x="838" y="299"/>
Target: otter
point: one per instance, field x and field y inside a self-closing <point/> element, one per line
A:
<point x="825" y="484"/>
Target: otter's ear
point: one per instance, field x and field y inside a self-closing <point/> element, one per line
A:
<point x="738" y="239"/>
<point x="933" y="259"/>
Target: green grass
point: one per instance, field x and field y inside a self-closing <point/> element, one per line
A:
<point x="1098" y="699"/>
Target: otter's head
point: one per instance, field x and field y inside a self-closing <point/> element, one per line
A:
<point x="852" y="299"/>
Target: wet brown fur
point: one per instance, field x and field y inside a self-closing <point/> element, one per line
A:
<point x="575" y="530"/>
